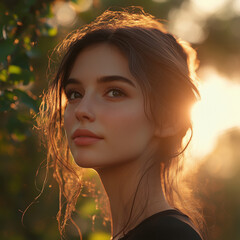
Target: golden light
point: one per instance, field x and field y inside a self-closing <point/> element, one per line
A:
<point x="223" y="162"/>
<point x="209" y="6"/>
<point x="185" y="20"/>
<point x="217" y="112"/>
<point x="191" y="17"/>
<point x="64" y="13"/>
<point x="236" y="6"/>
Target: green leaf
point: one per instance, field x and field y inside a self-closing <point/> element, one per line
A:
<point x="47" y="13"/>
<point x="28" y="77"/>
<point x="20" y="59"/>
<point x="18" y="136"/>
<point x="4" y="104"/>
<point x="27" y="43"/>
<point x="52" y="32"/>
<point x="6" y="99"/>
<point x="13" y="69"/>
<point x="17" y="128"/>
<point x="6" y="48"/>
<point x="3" y="75"/>
<point x="9" y="95"/>
<point x="24" y="77"/>
<point x="26" y="99"/>
<point x="30" y="3"/>
<point x="99" y="236"/>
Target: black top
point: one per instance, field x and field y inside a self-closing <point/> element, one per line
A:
<point x="166" y="225"/>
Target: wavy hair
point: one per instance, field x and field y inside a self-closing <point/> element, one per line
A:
<point x="164" y="67"/>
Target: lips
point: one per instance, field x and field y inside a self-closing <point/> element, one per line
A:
<point x="85" y="137"/>
<point x="84" y="133"/>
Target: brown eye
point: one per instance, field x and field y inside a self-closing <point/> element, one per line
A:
<point x="71" y="95"/>
<point x="116" y="93"/>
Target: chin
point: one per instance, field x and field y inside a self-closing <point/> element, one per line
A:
<point x="94" y="164"/>
<point x="87" y="162"/>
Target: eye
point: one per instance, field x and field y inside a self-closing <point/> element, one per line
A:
<point x="72" y="95"/>
<point x="116" y="93"/>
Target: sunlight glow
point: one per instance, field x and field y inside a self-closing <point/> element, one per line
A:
<point x="185" y="21"/>
<point x="189" y="20"/>
<point x="223" y="161"/>
<point x="64" y="13"/>
<point x="236" y="6"/>
<point x="217" y="112"/>
<point x="209" y="6"/>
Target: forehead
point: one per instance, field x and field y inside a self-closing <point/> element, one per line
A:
<point x="100" y="60"/>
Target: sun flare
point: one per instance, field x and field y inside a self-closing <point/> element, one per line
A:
<point x="217" y="112"/>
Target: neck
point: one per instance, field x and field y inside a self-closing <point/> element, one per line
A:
<point x="121" y="182"/>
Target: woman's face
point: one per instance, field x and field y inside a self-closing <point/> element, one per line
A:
<point x="104" y="98"/>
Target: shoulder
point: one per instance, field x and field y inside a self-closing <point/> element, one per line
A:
<point x="172" y="228"/>
<point x="167" y="226"/>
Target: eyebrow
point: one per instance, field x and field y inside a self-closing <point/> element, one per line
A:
<point x="104" y="79"/>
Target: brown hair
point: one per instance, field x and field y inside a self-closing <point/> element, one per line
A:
<point x="165" y="70"/>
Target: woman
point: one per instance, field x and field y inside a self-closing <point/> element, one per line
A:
<point x="123" y="94"/>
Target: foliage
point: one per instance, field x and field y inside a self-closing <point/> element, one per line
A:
<point x="21" y="25"/>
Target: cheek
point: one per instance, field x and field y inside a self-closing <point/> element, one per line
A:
<point x="129" y="124"/>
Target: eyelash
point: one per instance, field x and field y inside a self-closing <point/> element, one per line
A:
<point x="71" y="91"/>
<point x="116" y="89"/>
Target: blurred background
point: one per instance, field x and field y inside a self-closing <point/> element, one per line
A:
<point x="30" y="29"/>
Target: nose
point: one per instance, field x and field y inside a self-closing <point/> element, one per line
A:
<point x="84" y="109"/>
